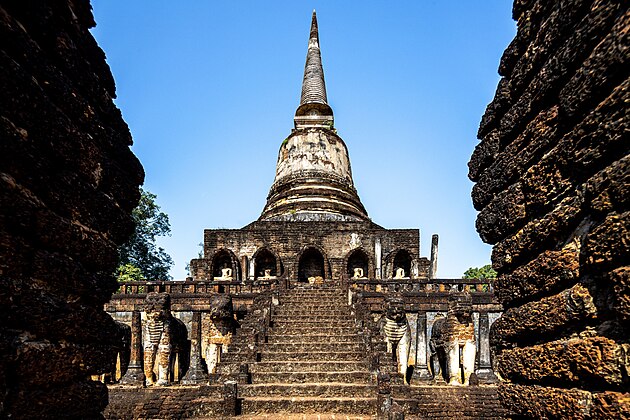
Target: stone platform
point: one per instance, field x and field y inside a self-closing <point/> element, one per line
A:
<point x="312" y="363"/>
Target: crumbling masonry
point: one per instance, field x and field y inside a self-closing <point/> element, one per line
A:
<point x="552" y="177"/>
<point x="68" y="183"/>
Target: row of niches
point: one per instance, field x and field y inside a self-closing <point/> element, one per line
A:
<point x="312" y="266"/>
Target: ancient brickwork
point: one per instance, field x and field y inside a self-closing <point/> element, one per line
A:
<point x="336" y="242"/>
<point x="68" y="183"/>
<point x="449" y="402"/>
<point x="126" y="403"/>
<point x="551" y="175"/>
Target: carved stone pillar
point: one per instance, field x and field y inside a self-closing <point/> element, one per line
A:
<point x="135" y="374"/>
<point x="244" y="269"/>
<point x="484" y="370"/>
<point x="196" y="373"/>
<point x="415" y="271"/>
<point x="434" y="257"/>
<point x="421" y="370"/>
<point x="378" y="257"/>
<point x="251" y="273"/>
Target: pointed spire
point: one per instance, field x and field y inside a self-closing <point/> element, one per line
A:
<point x="313" y="86"/>
<point x="313" y="102"/>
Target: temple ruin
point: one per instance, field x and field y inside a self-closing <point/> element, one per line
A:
<point x="328" y="312"/>
<point x="314" y="308"/>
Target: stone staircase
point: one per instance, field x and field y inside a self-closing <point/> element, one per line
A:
<point x="313" y="361"/>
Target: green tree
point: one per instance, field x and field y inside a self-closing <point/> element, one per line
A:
<point x="140" y="252"/>
<point x="129" y="272"/>
<point x="485" y="272"/>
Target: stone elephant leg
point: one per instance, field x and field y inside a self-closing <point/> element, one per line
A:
<point x="452" y="365"/>
<point x="469" y="352"/>
<point x="213" y="354"/>
<point x="164" y="364"/>
<point x="149" y="362"/>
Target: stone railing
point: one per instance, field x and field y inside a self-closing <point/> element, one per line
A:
<point x="422" y="285"/>
<point x="194" y="287"/>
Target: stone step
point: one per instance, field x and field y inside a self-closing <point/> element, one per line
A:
<point x="333" y="322"/>
<point x="331" y="389"/>
<point x="312" y="338"/>
<point x="310" y="303"/>
<point x="311" y="355"/>
<point x="293" y="295"/>
<point x="308" y="310"/>
<point x="360" y="376"/>
<point x="324" y="299"/>
<point x="319" y="329"/>
<point x="280" y="405"/>
<point x="332" y="290"/>
<point x="309" y="346"/>
<point x="305" y="318"/>
<point x="287" y="416"/>
<point x="352" y="377"/>
<point x="309" y="366"/>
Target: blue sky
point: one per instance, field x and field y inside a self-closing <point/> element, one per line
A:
<point x="209" y="90"/>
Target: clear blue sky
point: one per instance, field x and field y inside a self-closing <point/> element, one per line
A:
<point x="209" y="89"/>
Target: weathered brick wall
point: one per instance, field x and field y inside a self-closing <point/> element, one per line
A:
<point x="174" y="402"/>
<point x="336" y="241"/>
<point x="68" y="183"/>
<point x="552" y="180"/>
<point x="450" y="402"/>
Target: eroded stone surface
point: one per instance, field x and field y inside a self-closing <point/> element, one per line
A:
<point x="551" y="172"/>
<point x="68" y="183"/>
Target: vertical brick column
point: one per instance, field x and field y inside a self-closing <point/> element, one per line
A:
<point x="484" y="369"/>
<point x="135" y="373"/>
<point x="196" y="373"/>
<point x="421" y="370"/>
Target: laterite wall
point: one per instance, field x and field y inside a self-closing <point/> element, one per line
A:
<point x="552" y="178"/>
<point x="68" y="183"/>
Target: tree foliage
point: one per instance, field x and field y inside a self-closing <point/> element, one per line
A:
<point x="129" y="272"/>
<point x="140" y="251"/>
<point x="485" y="272"/>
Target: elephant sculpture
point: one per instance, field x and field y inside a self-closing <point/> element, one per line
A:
<point x="164" y="338"/>
<point x="452" y="342"/>
<point x="395" y="327"/>
<point x="119" y="361"/>
<point x="220" y="331"/>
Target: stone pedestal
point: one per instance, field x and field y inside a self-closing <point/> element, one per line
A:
<point x="135" y="374"/>
<point x="196" y="373"/>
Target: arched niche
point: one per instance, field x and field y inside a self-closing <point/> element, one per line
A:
<point x="265" y="262"/>
<point x="311" y="264"/>
<point x="358" y="259"/>
<point x="402" y="259"/>
<point x="225" y="259"/>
